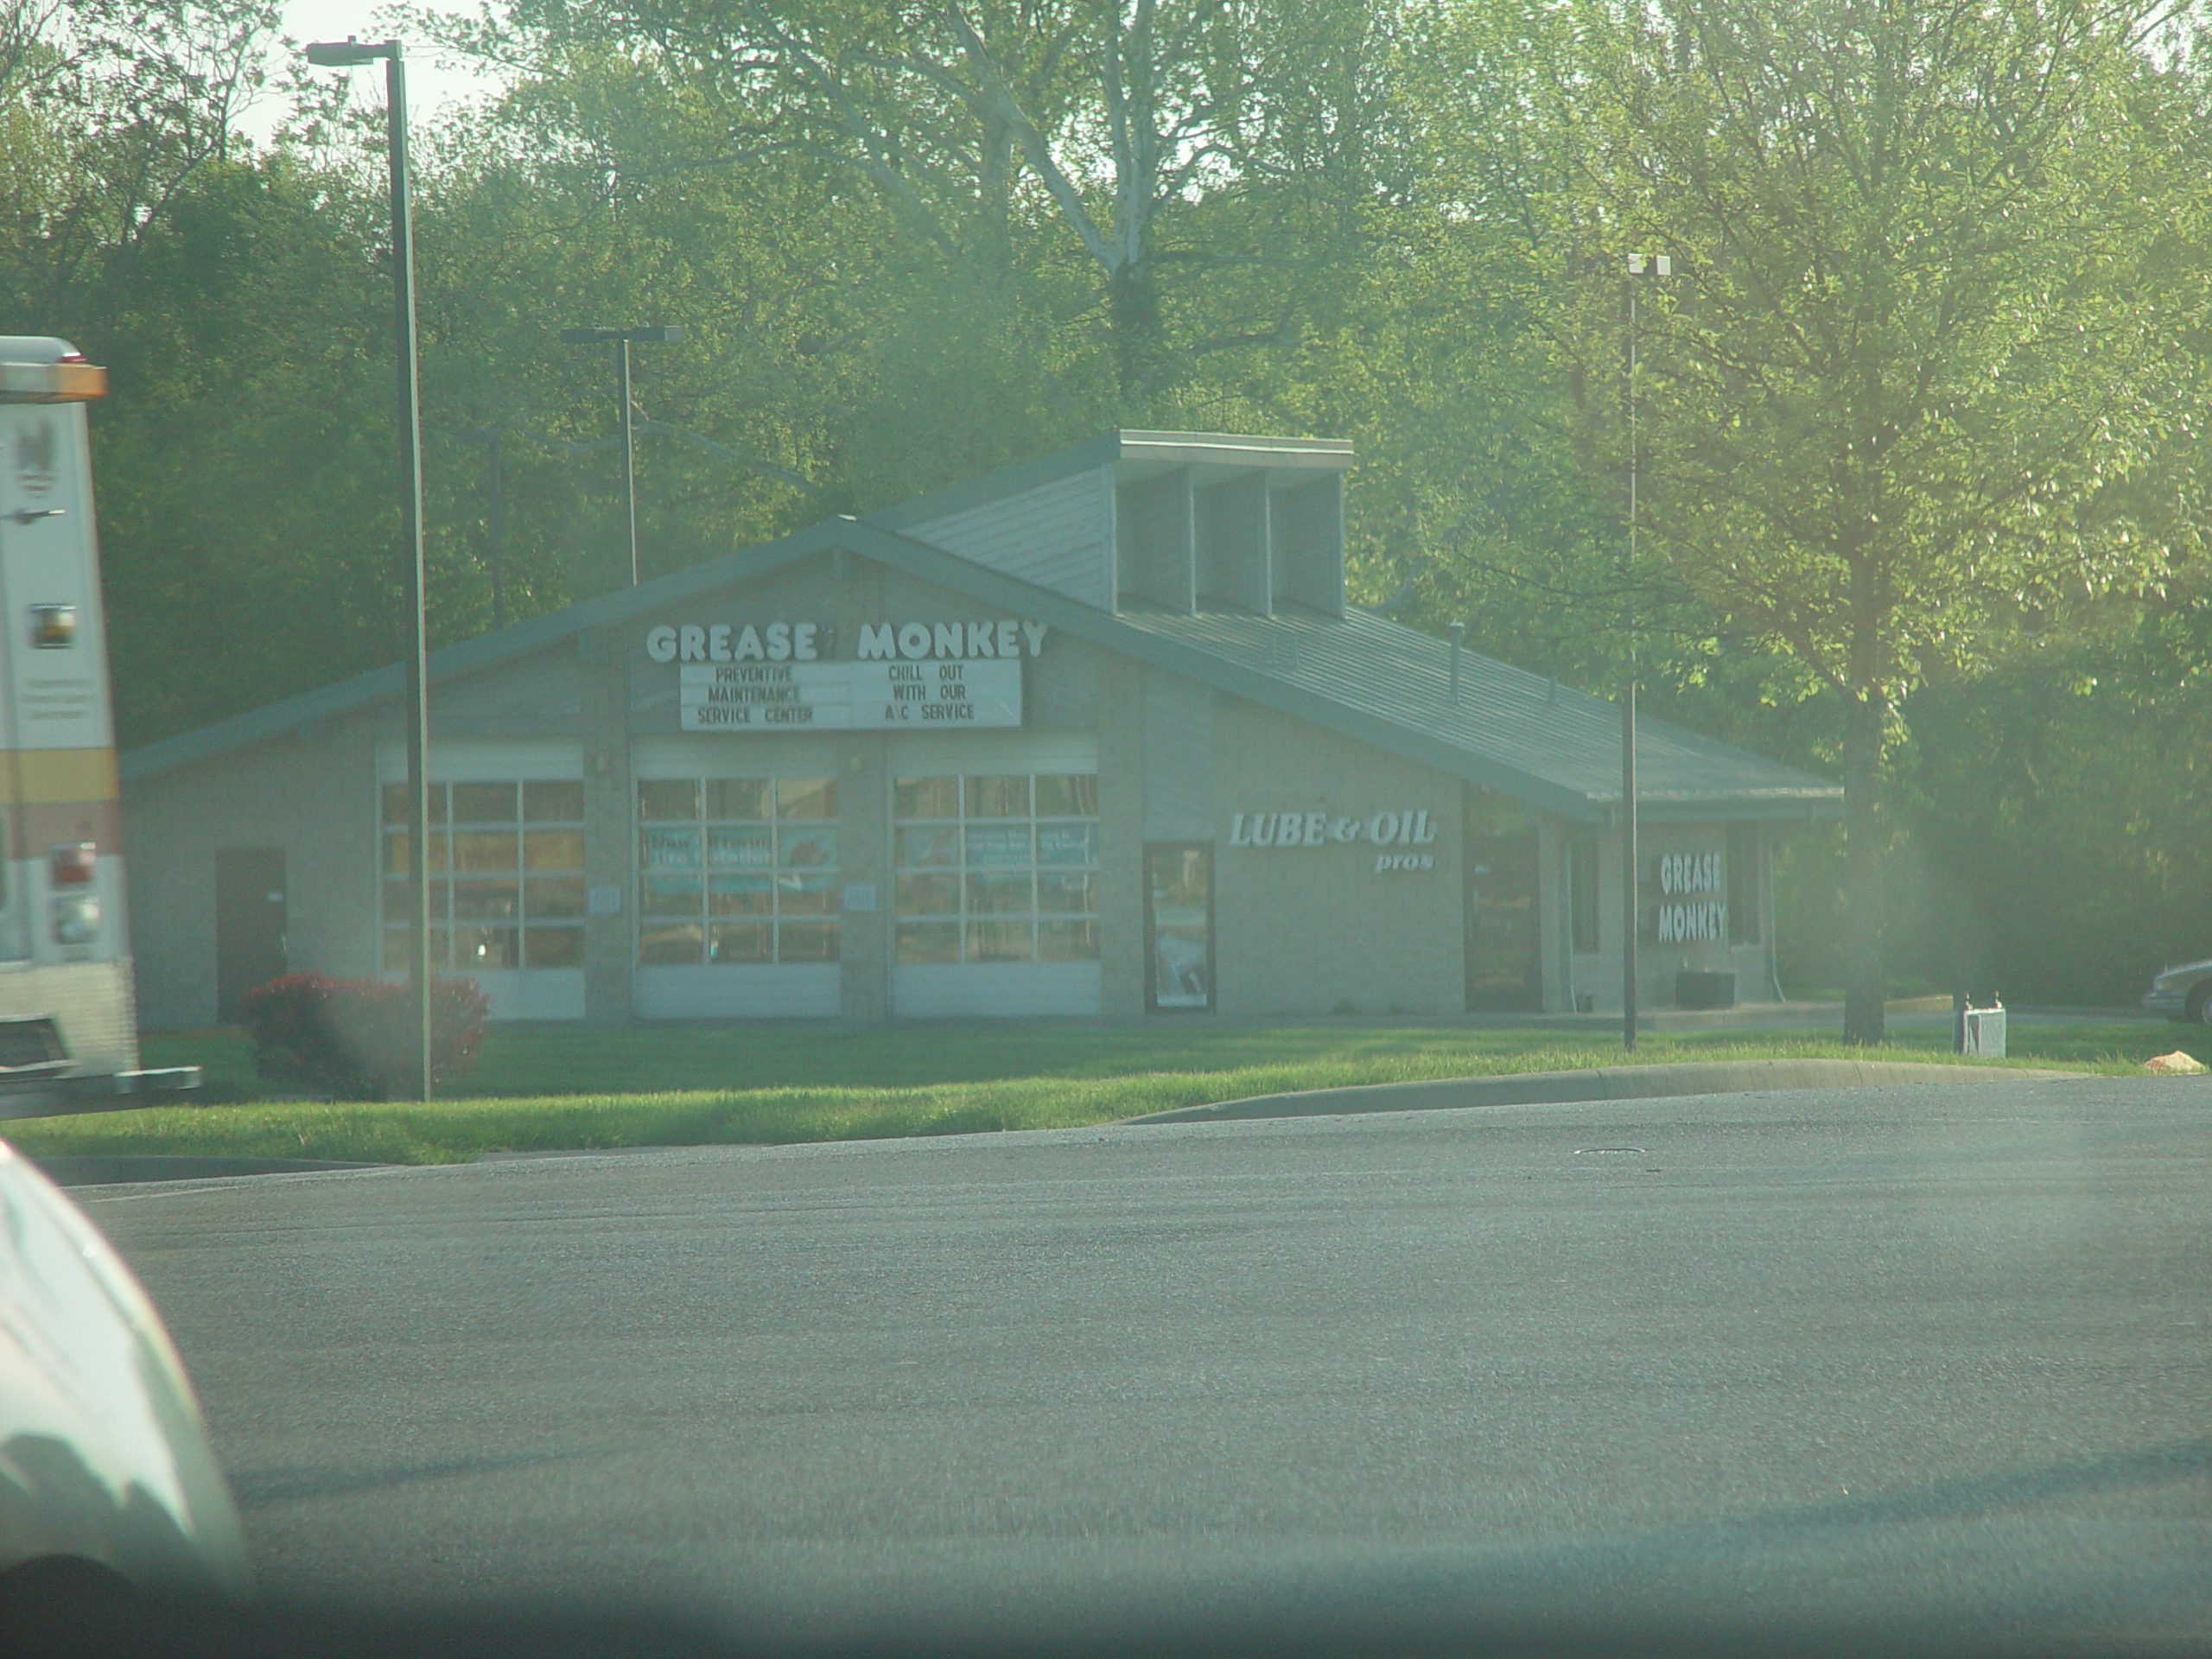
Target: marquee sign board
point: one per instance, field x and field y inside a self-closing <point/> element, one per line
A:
<point x="848" y="696"/>
<point x="733" y="677"/>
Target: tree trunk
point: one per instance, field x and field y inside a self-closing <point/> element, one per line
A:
<point x="1133" y="306"/>
<point x="1863" y="862"/>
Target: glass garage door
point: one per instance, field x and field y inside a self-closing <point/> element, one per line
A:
<point x="737" y="898"/>
<point x="995" y="893"/>
<point x="506" y="880"/>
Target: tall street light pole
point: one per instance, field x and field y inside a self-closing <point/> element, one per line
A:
<point x="665" y="334"/>
<point x="345" y="54"/>
<point x="1641" y="267"/>
<point x="495" y="516"/>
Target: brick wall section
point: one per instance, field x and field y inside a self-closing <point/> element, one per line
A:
<point x="1303" y="930"/>
<point x="603" y="676"/>
<point x="864" y="828"/>
<point x="1121" y="838"/>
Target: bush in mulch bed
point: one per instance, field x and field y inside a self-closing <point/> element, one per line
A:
<point x="349" y="1039"/>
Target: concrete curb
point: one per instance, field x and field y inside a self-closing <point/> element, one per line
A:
<point x="114" y="1169"/>
<point x="1598" y="1082"/>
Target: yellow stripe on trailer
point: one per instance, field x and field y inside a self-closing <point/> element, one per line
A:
<point x="52" y="777"/>
<point x="52" y="383"/>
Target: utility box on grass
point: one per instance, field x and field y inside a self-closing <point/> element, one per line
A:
<point x="1705" y="988"/>
<point x="1979" y="1033"/>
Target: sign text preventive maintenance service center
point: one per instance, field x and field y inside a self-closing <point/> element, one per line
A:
<point x="739" y="677"/>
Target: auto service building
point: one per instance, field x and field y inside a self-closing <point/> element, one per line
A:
<point x="1097" y="735"/>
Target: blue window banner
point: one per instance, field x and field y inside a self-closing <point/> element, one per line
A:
<point x="998" y="847"/>
<point x="813" y="848"/>
<point x="740" y="849"/>
<point x="1067" y="845"/>
<point x="671" y="848"/>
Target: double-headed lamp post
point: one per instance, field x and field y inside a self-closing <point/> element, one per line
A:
<point x="350" y="53"/>
<point x="621" y="338"/>
<point x="1641" y="268"/>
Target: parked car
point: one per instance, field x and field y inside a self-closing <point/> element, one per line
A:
<point x="105" y="1470"/>
<point x="2184" y="993"/>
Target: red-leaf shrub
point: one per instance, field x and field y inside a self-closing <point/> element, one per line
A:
<point x="350" y="1038"/>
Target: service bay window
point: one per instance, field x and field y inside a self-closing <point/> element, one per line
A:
<point x="506" y="873"/>
<point x="1001" y="868"/>
<point x="736" y="870"/>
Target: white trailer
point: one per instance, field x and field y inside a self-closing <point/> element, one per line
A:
<point x="68" y="1027"/>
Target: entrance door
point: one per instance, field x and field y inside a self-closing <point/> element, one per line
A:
<point x="248" y="924"/>
<point x="1502" y="965"/>
<point x="1178" y="926"/>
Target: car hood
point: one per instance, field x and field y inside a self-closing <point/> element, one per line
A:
<point x="103" y="1454"/>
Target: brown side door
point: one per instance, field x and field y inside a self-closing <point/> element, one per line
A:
<point x="248" y="924"/>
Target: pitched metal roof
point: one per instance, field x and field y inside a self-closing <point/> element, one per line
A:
<point x="1553" y="745"/>
<point x="1360" y="675"/>
<point x="474" y="656"/>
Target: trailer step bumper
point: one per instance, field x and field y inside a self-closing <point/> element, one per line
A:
<point x="113" y="1091"/>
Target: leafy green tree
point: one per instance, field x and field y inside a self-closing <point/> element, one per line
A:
<point x="243" y="455"/>
<point x="2062" y="799"/>
<point x="108" y="109"/>
<point x="1920" y="371"/>
<point x="1058" y="161"/>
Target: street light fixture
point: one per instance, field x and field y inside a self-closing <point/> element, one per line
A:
<point x="1641" y="267"/>
<point x="349" y="54"/>
<point x="659" y="334"/>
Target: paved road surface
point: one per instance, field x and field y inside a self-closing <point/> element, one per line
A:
<point x="1924" y="1353"/>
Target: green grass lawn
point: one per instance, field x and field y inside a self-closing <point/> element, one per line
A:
<point x="568" y="1090"/>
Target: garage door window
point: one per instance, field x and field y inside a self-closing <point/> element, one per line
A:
<point x="1001" y="868"/>
<point x="737" y="870"/>
<point x="507" y="875"/>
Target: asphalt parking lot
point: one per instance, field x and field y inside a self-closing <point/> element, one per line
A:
<point x="1928" y="1354"/>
